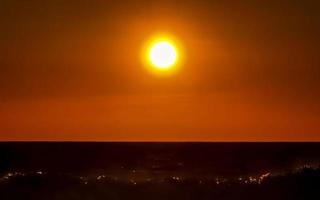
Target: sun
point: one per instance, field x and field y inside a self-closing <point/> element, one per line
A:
<point x="163" y="55"/>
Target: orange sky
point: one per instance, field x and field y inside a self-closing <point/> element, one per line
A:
<point x="72" y="71"/>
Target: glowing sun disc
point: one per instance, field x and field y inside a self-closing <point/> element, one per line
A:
<point x="163" y="55"/>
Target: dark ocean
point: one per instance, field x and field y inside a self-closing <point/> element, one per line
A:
<point x="103" y="170"/>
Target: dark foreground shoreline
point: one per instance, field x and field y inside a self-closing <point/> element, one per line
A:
<point x="99" y="170"/>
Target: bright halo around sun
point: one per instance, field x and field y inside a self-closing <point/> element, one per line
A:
<point x="163" y="55"/>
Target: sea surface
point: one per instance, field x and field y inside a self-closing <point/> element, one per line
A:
<point x="110" y="170"/>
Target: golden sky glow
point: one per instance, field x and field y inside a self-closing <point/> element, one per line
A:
<point x="95" y="70"/>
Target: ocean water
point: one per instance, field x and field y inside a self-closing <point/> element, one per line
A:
<point x="102" y="170"/>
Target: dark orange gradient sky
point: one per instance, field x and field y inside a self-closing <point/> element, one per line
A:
<point x="71" y="70"/>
